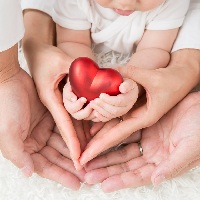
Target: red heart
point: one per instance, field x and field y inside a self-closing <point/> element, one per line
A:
<point x="89" y="81"/>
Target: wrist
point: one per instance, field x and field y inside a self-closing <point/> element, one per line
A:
<point x="9" y="65"/>
<point x="186" y="63"/>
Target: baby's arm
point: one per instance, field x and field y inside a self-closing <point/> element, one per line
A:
<point x="75" y="43"/>
<point x="153" y="50"/>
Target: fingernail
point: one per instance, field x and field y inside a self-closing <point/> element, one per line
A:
<point x="26" y="170"/>
<point x="158" y="180"/>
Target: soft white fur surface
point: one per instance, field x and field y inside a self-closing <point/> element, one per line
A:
<point x="14" y="186"/>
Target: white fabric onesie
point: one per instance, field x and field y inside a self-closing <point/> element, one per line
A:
<point x="111" y="31"/>
<point x="11" y="23"/>
<point x="188" y="36"/>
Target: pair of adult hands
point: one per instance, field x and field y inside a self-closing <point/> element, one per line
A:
<point x="160" y="86"/>
<point x="37" y="147"/>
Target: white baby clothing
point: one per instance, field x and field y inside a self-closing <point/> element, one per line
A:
<point x="11" y="23"/>
<point x="188" y="37"/>
<point x="111" y="31"/>
<point x="189" y="34"/>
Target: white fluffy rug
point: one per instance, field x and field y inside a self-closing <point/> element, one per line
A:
<point x="14" y="186"/>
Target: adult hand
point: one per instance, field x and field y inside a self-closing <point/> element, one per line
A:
<point x="51" y="156"/>
<point x="48" y="66"/>
<point x="164" y="88"/>
<point x="170" y="148"/>
<point x="20" y="112"/>
<point x="24" y="118"/>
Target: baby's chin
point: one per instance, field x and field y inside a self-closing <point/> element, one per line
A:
<point x="123" y="12"/>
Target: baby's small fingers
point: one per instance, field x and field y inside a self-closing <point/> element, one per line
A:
<point x="67" y="92"/>
<point x="100" y="118"/>
<point x="91" y="116"/>
<point x="83" y="113"/>
<point x="121" y="100"/>
<point x="127" y="85"/>
<point x="102" y="108"/>
<point x="73" y="107"/>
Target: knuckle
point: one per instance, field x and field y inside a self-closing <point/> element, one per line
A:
<point x="140" y="175"/>
<point x="123" y="153"/>
<point x="125" y="167"/>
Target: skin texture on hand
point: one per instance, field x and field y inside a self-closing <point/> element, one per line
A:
<point x="48" y="66"/>
<point x="26" y="133"/>
<point x="51" y="156"/>
<point x="27" y="128"/>
<point x="164" y="88"/>
<point x="170" y="148"/>
<point x="19" y="113"/>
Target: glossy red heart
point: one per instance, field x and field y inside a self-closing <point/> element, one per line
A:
<point x="89" y="81"/>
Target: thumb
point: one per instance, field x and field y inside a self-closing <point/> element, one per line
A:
<point x="173" y="166"/>
<point x="66" y="128"/>
<point x="12" y="148"/>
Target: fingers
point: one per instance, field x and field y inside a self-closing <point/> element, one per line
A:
<point x="66" y="129"/>
<point x="83" y="113"/>
<point x="53" y="172"/>
<point x="187" y="150"/>
<point x="127" y="86"/>
<point x="179" y="159"/>
<point x="73" y="106"/>
<point x="56" y="142"/>
<point x="68" y="94"/>
<point x="121" y="100"/>
<point x="96" y="127"/>
<point x="60" y="161"/>
<point x="109" y="136"/>
<point x="135" y="178"/>
<point x="87" y="126"/>
<point x="107" y="107"/>
<point x="12" y="148"/>
<point x="99" y="175"/>
<point x="121" y="155"/>
<point x="71" y="103"/>
<point x="135" y="137"/>
<point x="80" y="127"/>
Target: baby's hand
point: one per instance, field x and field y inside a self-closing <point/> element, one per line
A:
<point x="74" y="105"/>
<point x="108" y="107"/>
